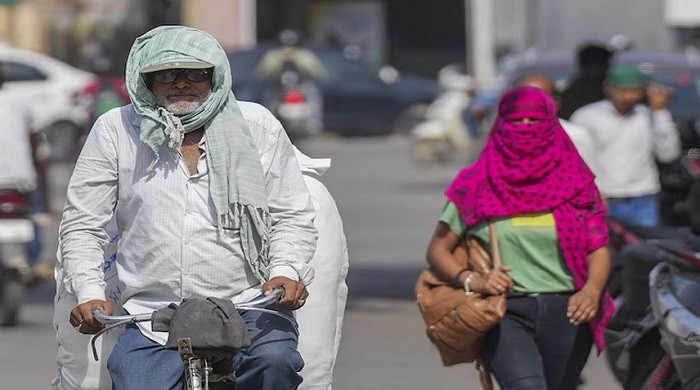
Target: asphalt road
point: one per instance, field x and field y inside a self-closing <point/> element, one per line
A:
<point x="389" y="206"/>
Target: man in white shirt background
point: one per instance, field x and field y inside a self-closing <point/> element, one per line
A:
<point x="629" y="138"/>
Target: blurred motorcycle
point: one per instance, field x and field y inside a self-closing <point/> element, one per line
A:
<point x="676" y="179"/>
<point x="292" y="106"/>
<point x="443" y="131"/>
<point x="653" y="338"/>
<point x="633" y="335"/>
<point x="674" y="293"/>
<point x="16" y="232"/>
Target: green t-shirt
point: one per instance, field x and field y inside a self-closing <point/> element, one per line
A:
<point x="528" y="243"/>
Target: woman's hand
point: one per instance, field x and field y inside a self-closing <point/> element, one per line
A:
<point x="494" y="283"/>
<point x="583" y="305"/>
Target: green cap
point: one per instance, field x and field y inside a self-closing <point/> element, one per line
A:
<point x="625" y="76"/>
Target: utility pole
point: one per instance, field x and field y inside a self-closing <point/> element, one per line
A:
<point x="481" y="56"/>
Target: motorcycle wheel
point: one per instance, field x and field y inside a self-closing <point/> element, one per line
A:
<point x="11" y="297"/>
<point x="644" y="357"/>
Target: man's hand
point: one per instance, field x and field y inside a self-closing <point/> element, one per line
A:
<point x="82" y="319"/>
<point x="295" y="293"/>
<point x="659" y="96"/>
<point x="583" y="305"/>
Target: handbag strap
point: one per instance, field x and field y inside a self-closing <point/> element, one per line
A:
<point x="493" y="240"/>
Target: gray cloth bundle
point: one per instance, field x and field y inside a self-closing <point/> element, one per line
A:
<point x="213" y="325"/>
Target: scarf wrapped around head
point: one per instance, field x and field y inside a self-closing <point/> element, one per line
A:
<point x="236" y="179"/>
<point x="531" y="168"/>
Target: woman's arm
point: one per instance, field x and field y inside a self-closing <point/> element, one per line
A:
<point x="440" y="258"/>
<point x="585" y="303"/>
<point x="439" y="253"/>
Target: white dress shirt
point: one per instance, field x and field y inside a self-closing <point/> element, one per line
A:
<point x="626" y="146"/>
<point x="168" y="244"/>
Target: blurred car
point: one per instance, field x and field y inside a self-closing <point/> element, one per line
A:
<point x="673" y="70"/>
<point x="358" y="98"/>
<point x="59" y="96"/>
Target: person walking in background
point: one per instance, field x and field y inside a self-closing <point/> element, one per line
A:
<point x="208" y="200"/>
<point x="587" y="86"/>
<point x="22" y="167"/>
<point x="579" y="135"/>
<point x="628" y="138"/>
<point x="532" y="183"/>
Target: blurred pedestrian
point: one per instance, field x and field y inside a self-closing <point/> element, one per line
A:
<point x="21" y="163"/>
<point x="209" y="202"/>
<point x="578" y="134"/>
<point x="550" y="219"/>
<point x="587" y="86"/>
<point x="629" y="137"/>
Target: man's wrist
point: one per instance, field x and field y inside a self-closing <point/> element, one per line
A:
<point x="285" y="271"/>
<point x="90" y="293"/>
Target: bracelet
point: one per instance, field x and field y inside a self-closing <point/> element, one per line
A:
<point x="467" y="289"/>
<point x="455" y="280"/>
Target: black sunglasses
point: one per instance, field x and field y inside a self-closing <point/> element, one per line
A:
<point x="193" y="75"/>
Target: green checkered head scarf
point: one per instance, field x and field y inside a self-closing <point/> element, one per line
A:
<point x="236" y="180"/>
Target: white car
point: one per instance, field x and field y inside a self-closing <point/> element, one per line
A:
<point x="60" y="96"/>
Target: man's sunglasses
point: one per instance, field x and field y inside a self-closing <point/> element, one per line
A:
<point x="170" y="75"/>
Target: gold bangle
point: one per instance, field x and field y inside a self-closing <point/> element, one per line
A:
<point x="456" y="281"/>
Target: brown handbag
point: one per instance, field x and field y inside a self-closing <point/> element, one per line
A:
<point x="455" y="322"/>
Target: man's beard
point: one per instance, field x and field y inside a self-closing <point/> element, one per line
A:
<point x="174" y="102"/>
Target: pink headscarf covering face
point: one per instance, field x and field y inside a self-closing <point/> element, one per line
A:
<point x="531" y="168"/>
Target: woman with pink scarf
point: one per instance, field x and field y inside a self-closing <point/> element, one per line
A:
<point x="532" y="184"/>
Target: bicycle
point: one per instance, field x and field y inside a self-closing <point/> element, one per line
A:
<point x="200" y="371"/>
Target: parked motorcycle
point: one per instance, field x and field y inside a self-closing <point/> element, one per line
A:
<point x="675" y="302"/>
<point x="655" y="282"/>
<point x="16" y="231"/>
<point x="443" y="132"/>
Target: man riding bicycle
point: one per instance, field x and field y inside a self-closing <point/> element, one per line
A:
<point x="209" y="202"/>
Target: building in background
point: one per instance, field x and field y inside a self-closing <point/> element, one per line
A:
<point x="412" y="35"/>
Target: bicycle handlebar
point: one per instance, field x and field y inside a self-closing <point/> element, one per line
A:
<point x="258" y="304"/>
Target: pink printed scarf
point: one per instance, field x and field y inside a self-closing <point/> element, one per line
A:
<point x="530" y="168"/>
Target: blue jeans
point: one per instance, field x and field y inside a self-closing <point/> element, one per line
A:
<point x="271" y="362"/>
<point x="639" y="211"/>
<point x="534" y="347"/>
